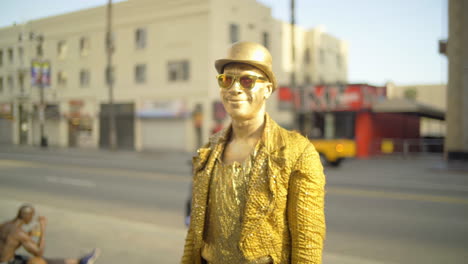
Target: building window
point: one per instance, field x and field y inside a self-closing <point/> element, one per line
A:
<point x="62" y="78"/>
<point x="322" y="56"/>
<point x="266" y="40"/>
<point x="140" y="73"/>
<point x="338" y="61"/>
<point x="21" y="81"/>
<point x="234" y="33"/>
<point x="21" y="55"/>
<point x="84" y="78"/>
<point x="307" y="56"/>
<point x="62" y="49"/>
<point x="321" y="80"/>
<point x="1" y="58"/>
<point x="39" y="50"/>
<point x="140" y="38"/>
<point x="84" y="46"/>
<point x="178" y="70"/>
<point x="1" y="84"/>
<point x="10" y="83"/>
<point x="307" y="80"/>
<point x="10" y="55"/>
<point x="109" y="43"/>
<point x="110" y="75"/>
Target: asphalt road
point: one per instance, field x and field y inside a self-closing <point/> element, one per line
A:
<point x="385" y="210"/>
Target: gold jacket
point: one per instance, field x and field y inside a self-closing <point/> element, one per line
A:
<point x="284" y="214"/>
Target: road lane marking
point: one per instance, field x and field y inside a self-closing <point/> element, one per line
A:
<point x="6" y="163"/>
<point x="408" y="183"/>
<point x="94" y="170"/>
<point x="71" y="181"/>
<point x="397" y="195"/>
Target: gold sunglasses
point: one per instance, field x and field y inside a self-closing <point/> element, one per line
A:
<point x="246" y="81"/>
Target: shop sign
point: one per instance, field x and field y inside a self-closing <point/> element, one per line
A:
<point x="40" y="73"/>
<point x="75" y="106"/>
<point x="52" y="111"/>
<point x="342" y="97"/>
<point x="163" y="109"/>
<point x="6" y="111"/>
<point x="285" y="98"/>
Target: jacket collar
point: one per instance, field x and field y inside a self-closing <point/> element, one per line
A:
<point x="271" y="136"/>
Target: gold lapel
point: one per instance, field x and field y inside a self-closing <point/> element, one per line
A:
<point x="261" y="191"/>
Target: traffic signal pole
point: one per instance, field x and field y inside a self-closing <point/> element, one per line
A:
<point x="110" y="79"/>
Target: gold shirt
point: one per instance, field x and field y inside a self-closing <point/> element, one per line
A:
<point x="226" y="202"/>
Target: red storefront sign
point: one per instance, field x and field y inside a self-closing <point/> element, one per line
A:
<point x="343" y="98"/>
<point x="352" y="97"/>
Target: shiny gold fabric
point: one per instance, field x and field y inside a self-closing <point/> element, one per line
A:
<point x="228" y="193"/>
<point x="283" y="216"/>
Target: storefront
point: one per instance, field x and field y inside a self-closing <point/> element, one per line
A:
<point x="79" y="123"/>
<point x="345" y="112"/>
<point x="362" y="113"/>
<point x="6" y="123"/>
<point x="164" y="125"/>
<point x="52" y="120"/>
<point x="396" y="127"/>
<point x="124" y="125"/>
<point x="335" y="109"/>
<point x="52" y="124"/>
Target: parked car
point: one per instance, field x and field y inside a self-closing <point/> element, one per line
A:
<point x="334" y="151"/>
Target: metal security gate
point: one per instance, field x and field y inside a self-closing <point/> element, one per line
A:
<point x="125" y="125"/>
<point x="6" y="132"/>
<point x="164" y="134"/>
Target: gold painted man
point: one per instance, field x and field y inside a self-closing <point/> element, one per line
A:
<point x="258" y="189"/>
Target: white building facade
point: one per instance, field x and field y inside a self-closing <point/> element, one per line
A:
<point x="165" y="93"/>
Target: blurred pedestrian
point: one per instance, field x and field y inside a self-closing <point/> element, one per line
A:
<point x="217" y="127"/>
<point x="258" y="189"/>
<point x="12" y="237"/>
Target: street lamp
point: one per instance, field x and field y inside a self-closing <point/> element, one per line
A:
<point x="40" y="77"/>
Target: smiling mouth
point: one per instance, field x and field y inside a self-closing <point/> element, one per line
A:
<point x="236" y="100"/>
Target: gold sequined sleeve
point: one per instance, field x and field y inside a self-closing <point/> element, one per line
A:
<point x="306" y="208"/>
<point x="188" y="248"/>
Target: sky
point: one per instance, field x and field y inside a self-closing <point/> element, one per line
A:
<point x="388" y="40"/>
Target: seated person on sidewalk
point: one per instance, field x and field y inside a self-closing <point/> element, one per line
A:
<point x="12" y="236"/>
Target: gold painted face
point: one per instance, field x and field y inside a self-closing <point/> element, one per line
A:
<point x="245" y="103"/>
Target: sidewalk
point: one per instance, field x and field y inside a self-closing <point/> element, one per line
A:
<point x="71" y="234"/>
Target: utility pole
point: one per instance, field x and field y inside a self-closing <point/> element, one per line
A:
<point x="293" y="65"/>
<point x="41" y="86"/>
<point x="110" y="78"/>
<point x="42" y="115"/>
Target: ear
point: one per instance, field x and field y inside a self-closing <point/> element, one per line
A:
<point x="268" y="91"/>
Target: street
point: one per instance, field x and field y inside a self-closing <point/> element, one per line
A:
<point x="131" y="205"/>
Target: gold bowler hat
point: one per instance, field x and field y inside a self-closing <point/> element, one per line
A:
<point x="249" y="53"/>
